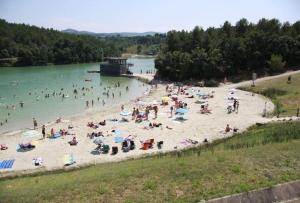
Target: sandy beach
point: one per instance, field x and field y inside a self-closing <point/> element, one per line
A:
<point x="196" y="126"/>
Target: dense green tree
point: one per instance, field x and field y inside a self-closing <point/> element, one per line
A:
<point x="32" y="45"/>
<point x="276" y="64"/>
<point x="230" y="51"/>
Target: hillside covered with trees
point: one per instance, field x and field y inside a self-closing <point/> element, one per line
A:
<point x="230" y="51"/>
<point x="24" y="45"/>
<point x="30" y="45"/>
<point x="146" y="45"/>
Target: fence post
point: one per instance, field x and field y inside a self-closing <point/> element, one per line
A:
<point x="298" y="112"/>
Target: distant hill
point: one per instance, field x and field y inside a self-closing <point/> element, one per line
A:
<point x="121" y="34"/>
<point x="25" y="45"/>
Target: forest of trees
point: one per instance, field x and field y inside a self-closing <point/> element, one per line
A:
<point x="24" y="45"/>
<point x="148" y="45"/>
<point x="230" y="51"/>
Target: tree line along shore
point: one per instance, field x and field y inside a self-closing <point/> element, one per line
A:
<point x="25" y="45"/>
<point x="231" y="52"/>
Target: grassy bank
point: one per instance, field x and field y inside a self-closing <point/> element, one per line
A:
<point x="286" y="96"/>
<point x="260" y="157"/>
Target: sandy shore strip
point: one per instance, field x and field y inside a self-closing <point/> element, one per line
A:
<point x="197" y="127"/>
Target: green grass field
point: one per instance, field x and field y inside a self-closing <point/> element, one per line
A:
<point x="260" y="157"/>
<point x="286" y="96"/>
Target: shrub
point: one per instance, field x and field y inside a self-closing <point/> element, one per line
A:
<point x="211" y="83"/>
<point x="273" y="92"/>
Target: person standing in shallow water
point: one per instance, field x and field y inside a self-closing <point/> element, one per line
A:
<point x="44" y="131"/>
<point x="34" y="123"/>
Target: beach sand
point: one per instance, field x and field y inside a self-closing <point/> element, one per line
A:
<point x="197" y="127"/>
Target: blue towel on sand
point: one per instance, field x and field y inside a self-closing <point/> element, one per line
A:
<point x="56" y="135"/>
<point x="118" y="132"/>
<point x="118" y="139"/>
<point x="6" y="164"/>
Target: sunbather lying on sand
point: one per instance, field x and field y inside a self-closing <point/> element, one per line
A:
<point x="3" y="147"/>
<point x="73" y="141"/>
<point x="103" y="123"/>
<point x="94" y="134"/>
<point x="152" y="125"/>
<point x="204" y="109"/>
<point x="63" y="132"/>
<point x="191" y="141"/>
<point x="26" y="146"/>
<point x="92" y="125"/>
<point x="169" y="128"/>
<point x="192" y="96"/>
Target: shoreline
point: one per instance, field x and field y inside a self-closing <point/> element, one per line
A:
<point x="144" y="78"/>
<point x="211" y="125"/>
<point x="67" y="119"/>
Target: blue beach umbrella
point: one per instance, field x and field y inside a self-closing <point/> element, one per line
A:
<point x="181" y="111"/>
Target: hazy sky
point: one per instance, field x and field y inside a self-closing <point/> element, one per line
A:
<point x="142" y="15"/>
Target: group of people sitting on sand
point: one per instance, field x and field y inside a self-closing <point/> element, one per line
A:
<point x="229" y="129"/>
<point x="73" y="141"/>
<point x="95" y="134"/>
<point x="140" y="116"/>
<point x="95" y="126"/>
<point x="204" y="109"/>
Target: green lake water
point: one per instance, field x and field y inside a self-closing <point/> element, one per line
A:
<point x="30" y="85"/>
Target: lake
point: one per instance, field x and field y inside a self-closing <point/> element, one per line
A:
<point x="32" y="85"/>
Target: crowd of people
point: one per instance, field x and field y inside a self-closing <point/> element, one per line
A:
<point x="108" y="91"/>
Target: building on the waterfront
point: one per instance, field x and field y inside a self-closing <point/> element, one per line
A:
<point x="115" y="66"/>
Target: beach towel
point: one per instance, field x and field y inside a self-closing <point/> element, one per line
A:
<point x="35" y="142"/>
<point x="118" y="139"/>
<point x="69" y="159"/>
<point x="6" y="164"/>
<point x="56" y="135"/>
<point x="124" y="113"/>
